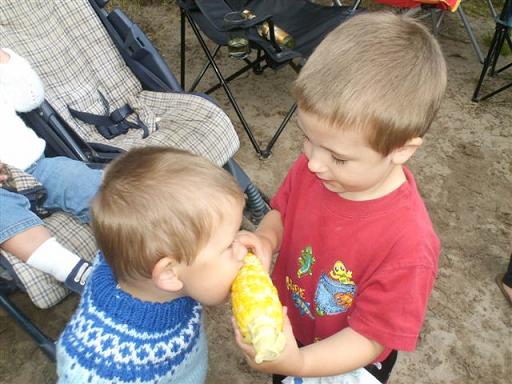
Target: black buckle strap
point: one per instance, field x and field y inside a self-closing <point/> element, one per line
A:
<point x="111" y="124"/>
<point x="121" y="113"/>
<point x="111" y="131"/>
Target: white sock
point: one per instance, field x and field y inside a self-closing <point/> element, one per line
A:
<point x="54" y="259"/>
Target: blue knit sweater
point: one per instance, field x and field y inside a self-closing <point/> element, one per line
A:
<point x="116" y="338"/>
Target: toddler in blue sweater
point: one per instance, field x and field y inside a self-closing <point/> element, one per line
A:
<point x="165" y="222"/>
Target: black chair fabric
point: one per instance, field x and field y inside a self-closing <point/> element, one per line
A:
<point x="306" y="22"/>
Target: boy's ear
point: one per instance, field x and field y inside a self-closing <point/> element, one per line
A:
<point x="404" y="153"/>
<point x="165" y="275"/>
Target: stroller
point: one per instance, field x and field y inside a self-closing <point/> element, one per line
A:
<point x="107" y="90"/>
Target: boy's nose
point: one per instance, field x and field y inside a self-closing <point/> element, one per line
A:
<point x="315" y="163"/>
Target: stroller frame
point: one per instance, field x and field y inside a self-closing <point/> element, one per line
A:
<point x="45" y="343"/>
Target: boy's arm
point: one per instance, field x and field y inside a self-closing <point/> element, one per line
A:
<point x="270" y="231"/>
<point x="266" y="240"/>
<point x="342" y="352"/>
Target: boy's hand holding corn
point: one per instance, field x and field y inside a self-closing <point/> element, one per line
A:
<point x="260" y="246"/>
<point x="289" y="362"/>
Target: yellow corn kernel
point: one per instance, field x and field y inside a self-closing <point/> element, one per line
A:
<point x="257" y="310"/>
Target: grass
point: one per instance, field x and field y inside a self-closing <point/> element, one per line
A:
<point x="479" y="7"/>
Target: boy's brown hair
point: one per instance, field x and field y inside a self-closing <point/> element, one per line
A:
<point x="382" y="73"/>
<point x="156" y="202"/>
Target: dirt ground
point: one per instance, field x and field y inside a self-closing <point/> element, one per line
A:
<point x="464" y="171"/>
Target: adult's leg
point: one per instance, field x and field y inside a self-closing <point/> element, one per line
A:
<point x="505" y="280"/>
<point x="16" y="219"/>
<point x="71" y="184"/>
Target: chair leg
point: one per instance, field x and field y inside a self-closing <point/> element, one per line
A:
<point x="268" y="150"/>
<point x="499" y="46"/>
<point x="436" y="16"/>
<point x="471" y="34"/>
<point x="492" y="9"/>
<point x="203" y="71"/>
<point x="485" y="68"/>
<point x="255" y="65"/>
<point x="223" y="82"/>
<point x="494" y="51"/>
<point x="46" y="344"/>
<point x="182" y="49"/>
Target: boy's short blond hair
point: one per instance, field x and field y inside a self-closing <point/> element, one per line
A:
<point x="156" y="202"/>
<point x="382" y="73"/>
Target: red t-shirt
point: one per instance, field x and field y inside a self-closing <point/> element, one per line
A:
<point x="369" y="265"/>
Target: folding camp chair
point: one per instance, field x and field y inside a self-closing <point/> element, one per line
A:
<point x="107" y="90"/>
<point x="501" y="36"/>
<point x="307" y="23"/>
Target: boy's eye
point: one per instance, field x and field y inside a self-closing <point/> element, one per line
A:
<point x="338" y="161"/>
<point x="305" y="138"/>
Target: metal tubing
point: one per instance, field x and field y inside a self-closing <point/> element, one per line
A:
<point x="203" y="71"/>
<point x="225" y="86"/>
<point x="471" y="35"/>
<point x="45" y="343"/>
<point x="499" y="44"/>
<point x="492" y="9"/>
<point x="234" y="76"/>
<point x="268" y="150"/>
<point x="182" y="49"/>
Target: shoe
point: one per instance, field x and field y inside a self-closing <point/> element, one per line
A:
<point x="499" y="281"/>
<point x="78" y="277"/>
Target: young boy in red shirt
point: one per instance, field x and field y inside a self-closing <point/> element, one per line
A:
<point x="358" y="255"/>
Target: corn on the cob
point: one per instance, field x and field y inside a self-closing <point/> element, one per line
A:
<point x="257" y="310"/>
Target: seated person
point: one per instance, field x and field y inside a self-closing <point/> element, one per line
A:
<point x="70" y="184"/>
<point x="504" y="281"/>
<point x="165" y="223"/>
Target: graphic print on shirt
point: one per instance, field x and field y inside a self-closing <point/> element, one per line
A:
<point x="335" y="291"/>
<point x="306" y="261"/>
<point x="298" y="298"/>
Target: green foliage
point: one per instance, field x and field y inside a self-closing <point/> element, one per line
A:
<point x="480" y="7"/>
